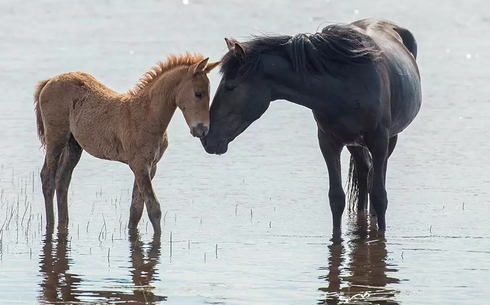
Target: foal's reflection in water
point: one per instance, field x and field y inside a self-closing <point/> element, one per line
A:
<point x="59" y="285"/>
<point x="357" y="267"/>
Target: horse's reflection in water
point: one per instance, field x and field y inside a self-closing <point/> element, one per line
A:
<point x="59" y="285"/>
<point x="357" y="269"/>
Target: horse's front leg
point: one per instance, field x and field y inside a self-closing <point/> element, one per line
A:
<point x="378" y="143"/>
<point x="143" y="177"/>
<point x="331" y="150"/>
<point x="138" y="202"/>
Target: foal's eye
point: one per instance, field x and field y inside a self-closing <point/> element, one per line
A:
<point x="198" y="94"/>
<point x="229" y="87"/>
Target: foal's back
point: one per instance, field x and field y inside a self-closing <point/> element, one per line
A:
<point x="77" y="103"/>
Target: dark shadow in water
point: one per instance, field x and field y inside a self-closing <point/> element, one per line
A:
<point x="59" y="285"/>
<point x="357" y="267"/>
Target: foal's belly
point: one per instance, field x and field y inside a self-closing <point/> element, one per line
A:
<point x="100" y="145"/>
<point x="98" y="140"/>
<point x="96" y="130"/>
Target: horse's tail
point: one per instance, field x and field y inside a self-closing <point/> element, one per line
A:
<point x="352" y="185"/>
<point x="37" y="109"/>
<point x="408" y="40"/>
<point x="353" y="181"/>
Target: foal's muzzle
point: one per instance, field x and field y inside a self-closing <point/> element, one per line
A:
<point x="199" y="130"/>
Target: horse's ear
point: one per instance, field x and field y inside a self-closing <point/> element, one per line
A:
<point x="210" y="66"/>
<point x="201" y="66"/>
<point x="239" y="51"/>
<point x="230" y="43"/>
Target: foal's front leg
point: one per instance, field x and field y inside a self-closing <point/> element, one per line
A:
<point x="143" y="177"/>
<point x="137" y="202"/>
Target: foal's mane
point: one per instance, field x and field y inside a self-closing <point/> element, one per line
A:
<point x="173" y="61"/>
<point x="308" y="53"/>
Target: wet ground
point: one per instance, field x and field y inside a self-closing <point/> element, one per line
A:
<point x="252" y="226"/>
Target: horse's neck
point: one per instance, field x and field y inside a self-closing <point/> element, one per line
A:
<point x="312" y="92"/>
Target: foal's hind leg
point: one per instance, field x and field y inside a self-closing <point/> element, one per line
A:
<point x="54" y="147"/>
<point x="331" y="150"/>
<point x="69" y="159"/>
<point x="137" y="203"/>
<point x="362" y="164"/>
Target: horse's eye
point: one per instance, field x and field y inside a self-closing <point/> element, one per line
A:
<point x="229" y="87"/>
<point x="198" y="94"/>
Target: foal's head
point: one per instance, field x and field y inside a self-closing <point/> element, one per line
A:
<point x="180" y="81"/>
<point x="192" y="97"/>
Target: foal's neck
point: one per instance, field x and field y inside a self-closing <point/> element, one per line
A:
<point x="160" y="97"/>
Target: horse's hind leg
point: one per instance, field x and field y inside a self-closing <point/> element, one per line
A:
<point x="54" y="147"/>
<point x="69" y="159"/>
<point x="378" y="143"/>
<point x="391" y="147"/>
<point x="138" y="203"/>
<point x="359" y="176"/>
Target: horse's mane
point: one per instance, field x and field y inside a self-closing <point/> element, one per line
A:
<point x="308" y="53"/>
<point x="161" y="67"/>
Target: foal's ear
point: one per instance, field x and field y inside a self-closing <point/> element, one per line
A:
<point x="211" y="66"/>
<point x="201" y="66"/>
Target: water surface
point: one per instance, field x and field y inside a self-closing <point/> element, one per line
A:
<point x="252" y="226"/>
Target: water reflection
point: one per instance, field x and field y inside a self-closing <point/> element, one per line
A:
<point x="143" y="273"/>
<point x="357" y="268"/>
<point x="59" y="285"/>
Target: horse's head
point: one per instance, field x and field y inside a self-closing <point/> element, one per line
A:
<point x="192" y="97"/>
<point x="243" y="95"/>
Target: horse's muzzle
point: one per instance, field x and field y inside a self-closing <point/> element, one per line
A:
<point x="199" y="130"/>
<point x="214" y="147"/>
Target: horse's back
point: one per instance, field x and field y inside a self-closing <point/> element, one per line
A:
<point x="399" y="51"/>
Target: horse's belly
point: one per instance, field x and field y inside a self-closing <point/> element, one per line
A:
<point x="407" y="107"/>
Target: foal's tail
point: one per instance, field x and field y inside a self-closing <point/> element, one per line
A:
<point x="408" y="40"/>
<point x="37" y="109"/>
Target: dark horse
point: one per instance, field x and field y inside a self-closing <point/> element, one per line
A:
<point x="361" y="80"/>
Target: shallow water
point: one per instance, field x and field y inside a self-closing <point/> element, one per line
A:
<point x="252" y="226"/>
